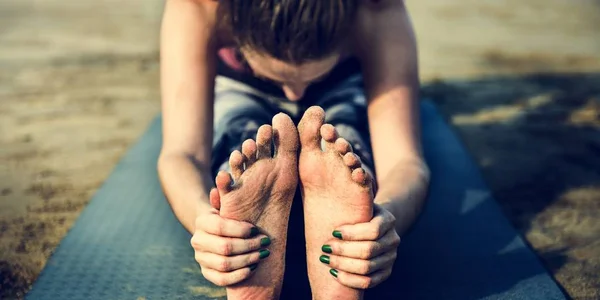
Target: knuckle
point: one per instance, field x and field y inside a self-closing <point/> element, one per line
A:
<point x="223" y="265"/>
<point x="220" y="281"/>
<point x="219" y="225"/>
<point x="198" y="258"/>
<point x="210" y="276"/>
<point x="194" y="241"/>
<point x="366" y="283"/>
<point x="391" y="218"/>
<point x="226" y="248"/>
<point x="368" y="251"/>
<point x="375" y="232"/>
<point x="396" y="239"/>
<point x="365" y="267"/>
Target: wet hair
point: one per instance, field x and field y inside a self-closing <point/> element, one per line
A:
<point x="294" y="31"/>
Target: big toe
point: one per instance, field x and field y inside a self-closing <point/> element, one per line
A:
<point x="309" y="128"/>
<point x="285" y="135"/>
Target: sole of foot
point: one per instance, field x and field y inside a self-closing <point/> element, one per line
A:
<point x="260" y="190"/>
<point x="336" y="191"/>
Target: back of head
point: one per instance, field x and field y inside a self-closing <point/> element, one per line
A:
<point x="294" y="31"/>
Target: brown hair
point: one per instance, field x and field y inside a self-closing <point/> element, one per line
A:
<point x="294" y="31"/>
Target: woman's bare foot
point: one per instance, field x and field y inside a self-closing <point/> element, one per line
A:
<point x="260" y="191"/>
<point x="336" y="191"/>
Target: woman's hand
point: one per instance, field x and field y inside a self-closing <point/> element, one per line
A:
<point x="227" y="250"/>
<point x="362" y="255"/>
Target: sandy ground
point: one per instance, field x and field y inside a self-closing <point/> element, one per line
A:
<point x="520" y="80"/>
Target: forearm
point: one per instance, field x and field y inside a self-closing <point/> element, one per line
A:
<point x="186" y="184"/>
<point x="403" y="192"/>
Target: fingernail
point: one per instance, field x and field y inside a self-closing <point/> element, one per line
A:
<point x="324" y="259"/>
<point x="252" y="267"/>
<point x="264" y="253"/>
<point x="333" y="272"/>
<point x="326" y="249"/>
<point x="337" y="234"/>
<point x="254" y="231"/>
<point x="265" y="242"/>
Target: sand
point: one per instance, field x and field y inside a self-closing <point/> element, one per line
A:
<point x="519" y="81"/>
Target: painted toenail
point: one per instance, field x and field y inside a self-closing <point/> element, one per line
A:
<point x="326" y="249"/>
<point x="337" y="234"/>
<point x="264" y="253"/>
<point x="324" y="259"/>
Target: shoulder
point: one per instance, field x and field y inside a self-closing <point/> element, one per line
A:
<point x="207" y="14"/>
<point x="377" y="16"/>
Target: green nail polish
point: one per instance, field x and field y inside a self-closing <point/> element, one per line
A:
<point x="337" y="234"/>
<point x="333" y="272"/>
<point x="324" y="259"/>
<point x="265" y="242"/>
<point x="264" y="253"/>
<point x="252" y="267"/>
<point x="254" y="231"/>
<point x="326" y="249"/>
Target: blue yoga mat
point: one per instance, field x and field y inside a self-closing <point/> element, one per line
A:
<point x="127" y="244"/>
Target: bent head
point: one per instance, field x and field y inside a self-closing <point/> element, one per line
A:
<point x="292" y="43"/>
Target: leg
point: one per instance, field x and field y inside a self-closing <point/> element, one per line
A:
<point x="260" y="184"/>
<point x="336" y="191"/>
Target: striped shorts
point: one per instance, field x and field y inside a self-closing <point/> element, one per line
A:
<point x="240" y="109"/>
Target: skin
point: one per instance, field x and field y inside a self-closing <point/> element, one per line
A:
<point x="385" y="45"/>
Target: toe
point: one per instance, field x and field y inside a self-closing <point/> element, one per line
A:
<point x="342" y="146"/>
<point x="352" y="160"/>
<point x="329" y="135"/>
<point x="236" y="162"/>
<point x="263" y="141"/>
<point x="361" y="177"/>
<point x="309" y="128"/>
<point x="285" y="135"/>
<point x="223" y="182"/>
<point x="249" y="152"/>
<point x="215" y="198"/>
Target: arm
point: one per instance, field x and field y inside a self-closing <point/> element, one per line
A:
<point x="390" y="65"/>
<point x="387" y="50"/>
<point x="187" y="76"/>
<point x="224" y="248"/>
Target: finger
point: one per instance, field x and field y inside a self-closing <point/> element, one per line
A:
<point x="360" y="281"/>
<point x="214" y="224"/>
<point x="360" y="266"/>
<point x="363" y="249"/>
<point x="360" y="250"/>
<point x="369" y="231"/>
<point x="202" y="241"/>
<point x="227" y="278"/>
<point x="229" y="263"/>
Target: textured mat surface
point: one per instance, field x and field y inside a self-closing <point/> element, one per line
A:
<point x="128" y="245"/>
